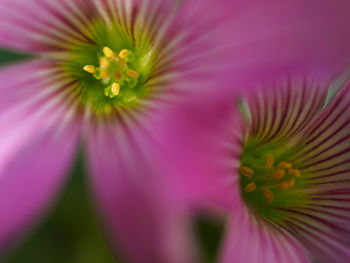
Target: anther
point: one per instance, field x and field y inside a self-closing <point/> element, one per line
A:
<point x="268" y="195"/>
<point x="294" y="172"/>
<point x="246" y="171"/>
<point x="269" y="161"/>
<point x="285" y="165"/>
<point x="115" y="88"/>
<point x="104" y="74"/>
<point x="90" y="68"/>
<point x="278" y="174"/>
<point x="287" y="184"/>
<point x="291" y="183"/>
<point x="250" y="187"/>
<point x="104" y="62"/>
<point x="108" y="52"/>
<point x="132" y="73"/>
<point x="124" y="53"/>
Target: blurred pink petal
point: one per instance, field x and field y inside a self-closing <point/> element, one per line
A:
<point x="37" y="26"/>
<point x="31" y="180"/>
<point x="143" y="218"/>
<point x="33" y="159"/>
<point x="202" y="47"/>
<point x="252" y="41"/>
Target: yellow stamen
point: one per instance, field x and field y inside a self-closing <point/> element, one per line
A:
<point x="124" y="53"/>
<point x="291" y="183"/>
<point x="287" y="184"/>
<point x="268" y="195"/>
<point x="279" y="174"/>
<point x="246" y="171"/>
<point x="104" y="62"/>
<point x="283" y="185"/>
<point x="250" y="187"/>
<point x="285" y="165"/>
<point x="132" y="73"/>
<point x="108" y="52"/>
<point x="269" y="161"/>
<point x="115" y="88"/>
<point x="104" y="74"/>
<point x="90" y="68"/>
<point x="294" y="172"/>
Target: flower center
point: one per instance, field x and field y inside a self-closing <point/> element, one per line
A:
<point x="268" y="178"/>
<point x="114" y="71"/>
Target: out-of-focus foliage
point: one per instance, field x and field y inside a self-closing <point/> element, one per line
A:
<point x="7" y="57"/>
<point x="209" y="231"/>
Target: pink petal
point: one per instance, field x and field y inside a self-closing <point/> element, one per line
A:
<point x="251" y="239"/>
<point x="40" y="25"/>
<point x="240" y="44"/>
<point x="37" y="96"/>
<point x="60" y="25"/>
<point x="204" y="140"/>
<point x="322" y="224"/>
<point x="38" y="138"/>
<point x="31" y="179"/>
<point x="142" y="215"/>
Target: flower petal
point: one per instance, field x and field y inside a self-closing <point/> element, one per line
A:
<point x="39" y="25"/>
<point x="205" y="141"/>
<point x="143" y="218"/>
<point x="36" y="96"/>
<point x="38" y="138"/>
<point x="322" y="224"/>
<point x="30" y="181"/>
<point x="249" y="239"/>
<point x="284" y="108"/>
<point x="242" y="43"/>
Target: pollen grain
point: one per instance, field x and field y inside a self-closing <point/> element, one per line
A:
<point x="278" y="174"/>
<point x="294" y="172"/>
<point x="268" y="195"/>
<point x="286" y="184"/>
<point x="90" y="69"/>
<point x="250" y="187"/>
<point x="285" y="165"/>
<point x="115" y="88"/>
<point x="107" y="52"/>
<point x="132" y="73"/>
<point x="124" y="53"/>
<point x="246" y="171"/>
<point x="269" y="161"/>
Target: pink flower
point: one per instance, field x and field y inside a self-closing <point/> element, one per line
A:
<point x="103" y="74"/>
<point x="278" y="168"/>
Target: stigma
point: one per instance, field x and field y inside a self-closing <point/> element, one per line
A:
<point x="114" y="71"/>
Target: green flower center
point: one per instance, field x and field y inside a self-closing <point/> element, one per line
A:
<point x="112" y="71"/>
<point x="270" y="181"/>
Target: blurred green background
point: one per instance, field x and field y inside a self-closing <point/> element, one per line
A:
<point x="70" y="232"/>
